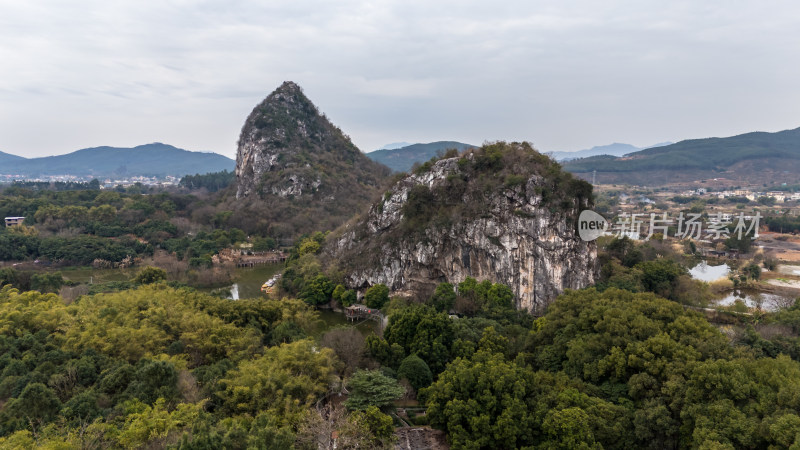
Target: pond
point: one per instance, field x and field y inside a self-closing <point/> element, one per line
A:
<point x="788" y="269"/>
<point x="248" y="283"/>
<point x="755" y="299"/>
<point x="91" y="275"/>
<point x="704" y="272"/>
<point x="248" y="280"/>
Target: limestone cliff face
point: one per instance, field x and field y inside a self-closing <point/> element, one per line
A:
<point x="521" y="233"/>
<point x="288" y="149"/>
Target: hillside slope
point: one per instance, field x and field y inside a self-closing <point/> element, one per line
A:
<point x="615" y="149"/>
<point x="751" y="156"/>
<point x="6" y="158"/>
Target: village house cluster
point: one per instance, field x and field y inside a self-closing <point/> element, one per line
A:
<point x="778" y="196"/>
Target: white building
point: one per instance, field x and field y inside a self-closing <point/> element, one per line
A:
<point x="14" y="221"/>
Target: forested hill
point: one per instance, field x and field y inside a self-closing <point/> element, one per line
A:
<point x="6" y="158"/>
<point x="154" y="159"/>
<point x="746" y="156"/>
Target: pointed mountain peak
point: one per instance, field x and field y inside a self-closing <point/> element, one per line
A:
<point x="288" y="149"/>
<point x="289" y="86"/>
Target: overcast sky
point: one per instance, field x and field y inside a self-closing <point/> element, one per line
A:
<point x="564" y="75"/>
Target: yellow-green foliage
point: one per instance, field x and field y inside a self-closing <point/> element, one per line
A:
<point x="145" y="423"/>
<point x="139" y="368"/>
<point x="141" y="322"/>
<point x="30" y="311"/>
<point x="142" y="425"/>
<point x="285" y="380"/>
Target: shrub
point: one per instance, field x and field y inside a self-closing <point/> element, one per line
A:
<point x="376" y="296"/>
<point x="149" y="275"/>
<point x="414" y="369"/>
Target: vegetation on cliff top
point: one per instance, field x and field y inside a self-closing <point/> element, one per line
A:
<point x="482" y="175"/>
<point x="492" y="181"/>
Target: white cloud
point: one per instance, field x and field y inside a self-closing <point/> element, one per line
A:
<point x="564" y="74"/>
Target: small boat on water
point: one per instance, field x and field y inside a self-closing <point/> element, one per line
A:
<point x="269" y="286"/>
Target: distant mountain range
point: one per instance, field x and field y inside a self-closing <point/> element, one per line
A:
<point x="155" y="159"/>
<point x="754" y="157"/>
<point x="6" y="158"/>
<point x="395" y="145"/>
<point x="615" y="149"/>
<point x="401" y="159"/>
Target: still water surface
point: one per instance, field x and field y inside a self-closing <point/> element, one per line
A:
<point x="750" y="297"/>
<point x="704" y="272"/>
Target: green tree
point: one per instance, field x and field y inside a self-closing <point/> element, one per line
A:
<point x="752" y="271"/>
<point x="318" y="290"/>
<point x="423" y="331"/>
<point x="500" y="295"/>
<point x="103" y="213"/>
<point x="444" y="297"/>
<point x="742" y="245"/>
<point x="36" y="402"/>
<point x="390" y="355"/>
<point x="376" y="296"/>
<point x="150" y="275"/>
<point x="415" y="371"/>
<point x="372" y="388"/>
<point x="482" y="403"/>
<point x="8" y="275"/>
<point x="344" y="296"/>
<point x="337" y="293"/>
<point x="308" y="246"/>
<point x="493" y="342"/>
<point x="47" y="282"/>
<point x="349" y="297"/>
<point x="153" y="380"/>
<point x="284" y="381"/>
<point x="263" y="244"/>
<point x="287" y="332"/>
<point x="378" y="425"/>
<point x="660" y="275"/>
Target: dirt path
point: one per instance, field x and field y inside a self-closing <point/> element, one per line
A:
<point x="420" y="438"/>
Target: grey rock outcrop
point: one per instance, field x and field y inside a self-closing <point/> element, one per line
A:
<point x="517" y="238"/>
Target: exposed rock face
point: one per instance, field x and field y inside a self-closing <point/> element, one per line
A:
<point x="296" y="172"/>
<point x="521" y="235"/>
<point x="287" y="148"/>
